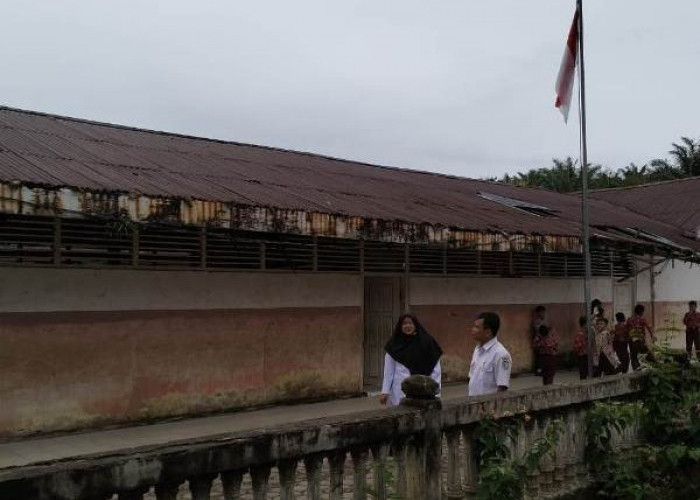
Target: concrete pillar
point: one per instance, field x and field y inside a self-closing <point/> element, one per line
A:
<point x="167" y="491"/>
<point x="399" y="450"/>
<point x="260" y="476"/>
<point x="336" y="463"/>
<point x="454" y="478"/>
<point x="546" y="478"/>
<point x="532" y="484"/>
<point x="423" y="453"/>
<point x="313" y="464"/>
<point x="231" y="481"/>
<point x="471" y="465"/>
<point x="379" y="456"/>
<point x="133" y="494"/>
<point x="582" y="466"/>
<point x="200" y="487"/>
<point x="560" y="455"/>
<point x="569" y="438"/>
<point x="359" y="466"/>
<point x="287" y="471"/>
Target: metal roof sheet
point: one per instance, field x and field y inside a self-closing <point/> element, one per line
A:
<point x="674" y="202"/>
<point x="55" y="151"/>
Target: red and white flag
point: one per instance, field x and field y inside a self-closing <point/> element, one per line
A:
<point x="567" y="71"/>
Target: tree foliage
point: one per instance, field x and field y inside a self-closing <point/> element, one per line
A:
<point x="667" y="465"/>
<point x="564" y="176"/>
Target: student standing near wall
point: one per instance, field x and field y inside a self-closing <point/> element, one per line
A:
<point x="691" y="320"/>
<point x="621" y="342"/>
<point x="491" y="364"/>
<point x="638" y="329"/>
<point x="410" y="351"/>
<point x="605" y="360"/>
<point x="539" y="319"/>
<point x="547" y="349"/>
<point x="581" y="347"/>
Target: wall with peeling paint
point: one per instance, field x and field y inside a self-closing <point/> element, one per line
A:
<point x="447" y="306"/>
<point x="64" y="370"/>
<point x="674" y="284"/>
<point x="82" y="348"/>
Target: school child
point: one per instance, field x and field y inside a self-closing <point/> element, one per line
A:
<point x="547" y="349"/>
<point x="621" y="342"/>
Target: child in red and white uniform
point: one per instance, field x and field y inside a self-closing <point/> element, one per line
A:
<point x="691" y="320"/>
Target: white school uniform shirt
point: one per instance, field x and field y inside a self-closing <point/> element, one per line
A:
<point x="395" y="373"/>
<point x="490" y="368"/>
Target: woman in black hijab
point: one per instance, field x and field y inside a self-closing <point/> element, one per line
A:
<point x="410" y="351"/>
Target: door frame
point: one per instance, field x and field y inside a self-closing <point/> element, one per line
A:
<point x="403" y="307"/>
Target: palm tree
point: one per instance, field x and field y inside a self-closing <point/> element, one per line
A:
<point x="565" y="175"/>
<point x="633" y="175"/>
<point x="662" y="170"/>
<point x="687" y="156"/>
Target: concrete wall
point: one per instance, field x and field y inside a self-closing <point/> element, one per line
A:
<point x="675" y="283"/>
<point x="83" y="347"/>
<point x="447" y="307"/>
<point x="89" y="347"/>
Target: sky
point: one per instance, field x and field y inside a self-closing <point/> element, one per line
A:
<point x="460" y="87"/>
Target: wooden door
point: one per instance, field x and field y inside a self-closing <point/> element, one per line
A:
<point x="383" y="306"/>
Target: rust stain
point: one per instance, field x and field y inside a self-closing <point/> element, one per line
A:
<point x="140" y="208"/>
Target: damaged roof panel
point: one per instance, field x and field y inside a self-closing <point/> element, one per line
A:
<point x="55" y="152"/>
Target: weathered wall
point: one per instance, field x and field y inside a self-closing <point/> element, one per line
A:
<point x="81" y="347"/>
<point x="48" y="290"/>
<point x="675" y="283"/>
<point x="447" y="307"/>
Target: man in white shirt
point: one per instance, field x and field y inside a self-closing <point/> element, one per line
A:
<point x="491" y="363"/>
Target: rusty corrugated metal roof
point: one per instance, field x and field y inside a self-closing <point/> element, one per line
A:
<point x="674" y="202"/>
<point x="38" y="149"/>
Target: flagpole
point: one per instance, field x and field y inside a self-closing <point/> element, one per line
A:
<point x="585" y="236"/>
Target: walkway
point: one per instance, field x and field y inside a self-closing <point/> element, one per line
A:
<point x="71" y="446"/>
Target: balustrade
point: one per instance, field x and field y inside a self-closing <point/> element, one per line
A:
<point x="429" y="447"/>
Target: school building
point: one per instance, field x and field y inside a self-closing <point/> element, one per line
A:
<point x="150" y="275"/>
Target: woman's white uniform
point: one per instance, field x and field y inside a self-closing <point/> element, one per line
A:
<point x="395" y="373"/>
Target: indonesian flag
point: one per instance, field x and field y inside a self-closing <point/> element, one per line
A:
<point x="565" y="79"/>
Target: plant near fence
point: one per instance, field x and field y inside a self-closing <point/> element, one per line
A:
<point x="388" y="470"/>
<point x="668" y="466"/>
<point x="503" y="476"/>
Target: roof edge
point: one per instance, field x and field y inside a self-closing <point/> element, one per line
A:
<point x="250" y="145"/>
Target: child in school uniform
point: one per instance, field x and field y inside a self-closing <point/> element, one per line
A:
<point x="605" y="358"/>
<point x="547" y="349"/>
<point x="638" y="331"/>
<point x="581" y="348"/>
<point x="621" y="342"/>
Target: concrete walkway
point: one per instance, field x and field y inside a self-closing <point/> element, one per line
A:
<point x="36" y="450"/>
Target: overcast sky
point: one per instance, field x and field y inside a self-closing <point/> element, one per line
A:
<point x="463" y="87"/>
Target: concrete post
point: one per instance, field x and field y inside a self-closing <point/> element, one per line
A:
<point x="454" y="478"/>
<point x="200" y="487"/>
<point x="423" y="453"/>
<point x="231" y="481"/>
<point x="471" y="466"/>
<point x="337" y="465"/>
